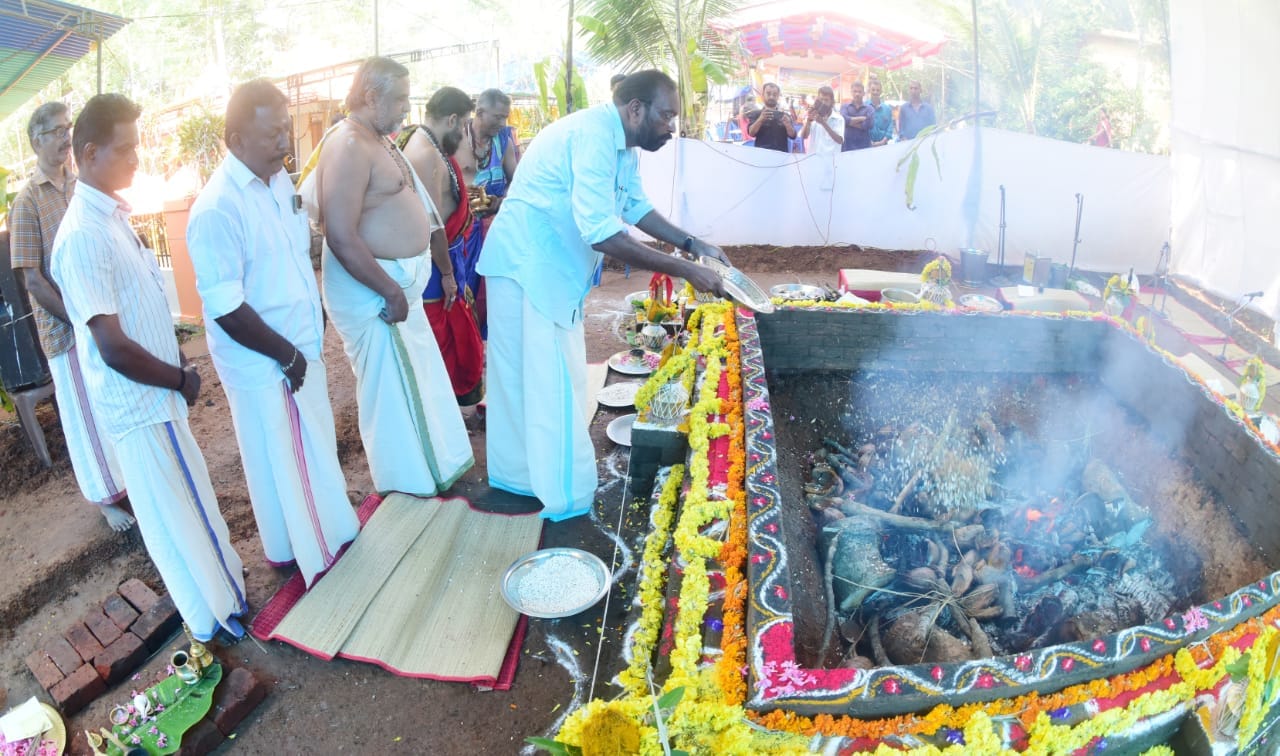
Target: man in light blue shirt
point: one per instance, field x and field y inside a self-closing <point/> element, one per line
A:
<point x="577" y="186"/>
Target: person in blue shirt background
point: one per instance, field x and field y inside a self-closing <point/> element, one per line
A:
<point x="882" y="116"/>
<point x="577" y="187"/>
<point x="914" y="114"/>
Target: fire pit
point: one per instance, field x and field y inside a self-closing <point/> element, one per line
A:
<point x="964" y="508"/>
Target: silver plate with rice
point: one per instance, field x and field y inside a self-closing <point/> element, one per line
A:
<point x="554" y="583"/>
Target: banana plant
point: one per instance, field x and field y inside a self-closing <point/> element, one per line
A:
<point x="912" y="159"/>
<point x="544" y="73"/>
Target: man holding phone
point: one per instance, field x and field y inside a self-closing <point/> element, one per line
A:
<point x="823" y="127"/>
<point x="772" y="127"/>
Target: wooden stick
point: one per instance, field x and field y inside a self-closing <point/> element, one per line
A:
<point x="877" y="648"/>
<point x="831" y="596"/>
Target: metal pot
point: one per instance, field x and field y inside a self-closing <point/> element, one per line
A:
<point x="973" y="266"/>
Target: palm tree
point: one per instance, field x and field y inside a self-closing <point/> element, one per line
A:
<point x="664" y="34"/>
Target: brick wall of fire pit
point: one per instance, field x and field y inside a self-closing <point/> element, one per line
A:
<point x="1179" y="412"/>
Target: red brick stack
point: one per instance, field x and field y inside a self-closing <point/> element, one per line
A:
<point x="105" y="646"/>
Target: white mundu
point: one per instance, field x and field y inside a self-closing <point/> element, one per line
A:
<point x="103" y="269"/>
<point x="249" y="245"/>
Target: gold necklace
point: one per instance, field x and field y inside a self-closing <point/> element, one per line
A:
<point x="396" y="157"/>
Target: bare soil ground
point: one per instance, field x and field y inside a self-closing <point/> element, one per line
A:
<point x="59" y="558"/>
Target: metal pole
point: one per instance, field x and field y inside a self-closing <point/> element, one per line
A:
<point x="1000" y="260"/>
<point x="568" y="64"/>
<point x="1076" y="244"/>
<point x="977" y="100"/>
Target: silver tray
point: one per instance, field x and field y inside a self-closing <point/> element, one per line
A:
<point x="980" y="303"/>
<point x="525" y="564"/>
<point x="743" y="290"/>
<point x="619" y="429"/>
<point x="619" y="395"/>
<point x="798" y="292"/>
<point x="626" y="363"/>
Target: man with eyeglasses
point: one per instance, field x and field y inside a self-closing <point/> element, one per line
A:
<point x="577" y="188"/>
<point x="33" y="222"/>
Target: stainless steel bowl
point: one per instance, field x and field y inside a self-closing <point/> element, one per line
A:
<point x="525" y="564"/>
<point x="899" y="296"/>
<point x="798" y="292"/>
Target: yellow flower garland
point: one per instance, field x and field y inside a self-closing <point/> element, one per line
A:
<point x="652" y="581"/>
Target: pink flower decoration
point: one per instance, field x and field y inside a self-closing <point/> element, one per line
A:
<point x="794" y="673"/>
<point x="936" y="673"/>
<point x="1169" y="623"/>
<point x="1217" y="605"/>
<point x="1099" y="645"/>
<point x="1247" y="601"/>
<point x="1023" y="662"/>
<point x="759" y="501"/>
<point x="780" y="592"/>
<point x="768" y="477"/>
<point x="891" y="687"/>
<point x="1262" y="584"/>
<point x="771" y="527"/>
<point x="758" y="404"/>
<point x="766" y="435"/>
<point x="1145" y="644"/>
<point x="985" y="680"/>
<point x="1068" y="664"/>
<point x="759" y="558"/>
<point x="1194" y="620"/>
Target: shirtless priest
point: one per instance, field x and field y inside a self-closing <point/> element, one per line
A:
<point x="378" y="221"/>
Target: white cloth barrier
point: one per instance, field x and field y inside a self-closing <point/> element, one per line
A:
<point x="1225" y="169"/>
<point x="730" y="194"/>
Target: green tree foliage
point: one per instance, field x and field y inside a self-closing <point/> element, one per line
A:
<point x="200" y="142"/>
<point x="671" y="35"/>
<point x="1035" y="72"/>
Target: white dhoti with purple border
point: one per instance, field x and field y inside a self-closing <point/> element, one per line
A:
<point x="290" y="455"/>
<point x="181" y="525"/>
<point x="93" y="457"/>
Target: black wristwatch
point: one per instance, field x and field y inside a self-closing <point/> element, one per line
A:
<point x="687" y="244"/>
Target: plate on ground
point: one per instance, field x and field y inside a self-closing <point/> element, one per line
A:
<point x="980" y="303"/>
<point x="636" y="297"/>
<point x="619" y="430"/>
<point x="628" y="362"/>
<point x="553" y="583"/>
<point x="618" y="395"/>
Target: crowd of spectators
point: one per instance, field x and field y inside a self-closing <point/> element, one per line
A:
<point x="823" y="127"/>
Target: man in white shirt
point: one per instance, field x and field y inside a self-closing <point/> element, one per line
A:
<point x="136" y="375"/>
<point x="824" y="127"/>
<point x="250" y="244"/>
<point x="576" y="187"/>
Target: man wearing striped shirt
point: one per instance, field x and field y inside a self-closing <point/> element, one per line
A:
<point x="33" y="223"/>
<point x="136" y="375"/>
<point x="251" y="243"/>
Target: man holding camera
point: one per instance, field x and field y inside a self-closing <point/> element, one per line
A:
<point x="772" y="127"/>
<point x="823" y="127"/>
